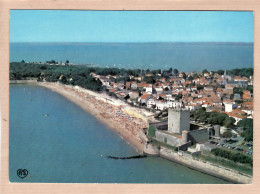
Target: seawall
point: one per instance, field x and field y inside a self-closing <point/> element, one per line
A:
<point x="206" y="167"/>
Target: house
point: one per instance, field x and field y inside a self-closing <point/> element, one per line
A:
<point x="144" y="98"/>
<point x="216" y="75"/>
<point x="194" y="88"/>
<point x="121" y="94"/>
<point x="119" y="86"/>
<point x="150" y="103"/>
<point x="230" y="106"/>
<point x="206" y="74"/>
<point x="208" y="89"/>
<point x="166" y="85"/>
<point x="239" y="78"/>
<point x="158" y="89"/>
<point x="229" y="86"/>
<point x="246" y="95"/>
<point x="148" y="88"/>
<point x="172" y="104"/>
<point x="237" y="115"/>
<point x="160" y="105"/>
<point x="203" y="82"/>
<point x="238" y="84"/>
<point x="141" y="85"/>
<point x="105" y="82"/>
<point x="248" y="111"/>
<point x="192" y="106"/>
<point x="133" y="95"/>
<point x="247" y="107"/>
<point x="237" y="97"/>
<point x="128" y="85"/>
<point x="134" y="85"/>
<point x="163" y="79"/>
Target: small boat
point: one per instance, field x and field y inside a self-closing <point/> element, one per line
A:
<point x="46" y="115"/>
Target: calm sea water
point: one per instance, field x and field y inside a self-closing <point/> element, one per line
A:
<point x="183" y="56"/>
<point x="71" y="146"/>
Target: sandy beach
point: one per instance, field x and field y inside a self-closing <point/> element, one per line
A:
<point x="125" y="120"/>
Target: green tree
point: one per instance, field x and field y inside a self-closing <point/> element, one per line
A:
<point x="184" y="75"/>
<point x="178" y="97"/>
<point x="237" y="90"/>
<point x="205" y="71"/>
<point x="190" y="78"/>
<point x="175" y="71"/>
<point x="227" y="134"/>
<point x="247" y="125"/>
<point x="149" y="79"/>
<point x="220" y="72"/>
<point x="200" y="87"/>
<point x="170" y="70"/>
<point x="201" y="114"/>
<point x="250" y="88"/>
<point x="229" y="122"/>
<point x="236" y="157"/>
<point x="127" y="97"/>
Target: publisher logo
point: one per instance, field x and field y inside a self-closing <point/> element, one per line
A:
<point x="22" y="173"/>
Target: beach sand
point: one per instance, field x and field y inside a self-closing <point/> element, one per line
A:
<point x="111" y="112"/>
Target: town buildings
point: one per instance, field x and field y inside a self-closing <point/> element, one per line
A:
<point x="222" y="93"/>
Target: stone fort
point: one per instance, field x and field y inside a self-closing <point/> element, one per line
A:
<point x="177" y="130"/>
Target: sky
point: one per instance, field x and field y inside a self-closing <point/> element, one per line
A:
<point x="131" y="26"/>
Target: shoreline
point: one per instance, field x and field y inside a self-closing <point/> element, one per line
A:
<point x="103" y="107"/>
<point x="85" y="99"/>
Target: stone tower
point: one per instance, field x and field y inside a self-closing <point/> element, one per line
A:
<point x="178" y="120"/>
<point x="225" y="78"/>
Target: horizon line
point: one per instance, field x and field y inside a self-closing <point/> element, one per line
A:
<point x="136" y="42"/>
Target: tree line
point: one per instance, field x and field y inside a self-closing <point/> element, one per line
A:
<point x="74" y="75"/>
<point x="236" y="157"/>
<point x="243" y="72"/>
<point x="214" y="118"/>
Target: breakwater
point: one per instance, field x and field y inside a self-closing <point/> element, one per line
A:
<point x="127" y="158"/>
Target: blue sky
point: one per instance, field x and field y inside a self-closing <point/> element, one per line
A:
<point x="130" y="26"/>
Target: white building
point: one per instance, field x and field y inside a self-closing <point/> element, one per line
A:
<point x="149" y="89"/>
<point x="230" y="106"/>
<point x="173" y="104"/>
<point x="158" y="89"/>
<point x="150" y="103"/>
<point x="160" y="105"/>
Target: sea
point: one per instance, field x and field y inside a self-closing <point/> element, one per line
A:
<point x="58" y="142"/>
<point x="187" y="57"/>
